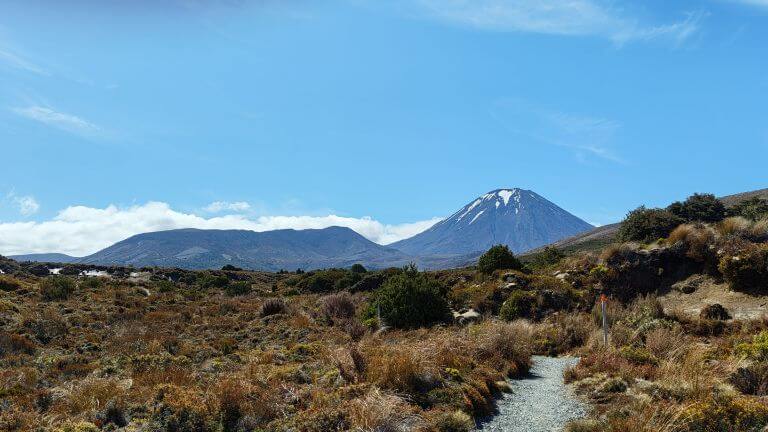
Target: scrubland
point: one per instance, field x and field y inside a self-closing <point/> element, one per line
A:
<point x="398" y="349"/>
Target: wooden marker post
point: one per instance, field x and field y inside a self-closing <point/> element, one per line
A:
<point x="603" y="300"/>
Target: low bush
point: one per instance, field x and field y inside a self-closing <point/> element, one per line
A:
<point x="498" y="257"/>
<point x="520" y="304"/>
<point x="647" y="225"/>
<point x="747" y="270"/>
<point x="56" y="288"/>
<point x="453" y="421"/>
<point x="548" y="257"/>
<point x="699" y="208"/>
<point x="273" y="306"/>
<point x="757" y="349"/>
<point x="369" y="282"/>
<point x="698" y="240"/>
<point x="15" y="343"/>
<point x="8" y="283"/>
<point x="724" y="413"/>
<point x="754" y="208"/>
<point x="337" y="306"/>
<point x="323" y="281"/>
<point x="238" y="288"/>
<point x="751" y="380"/>
<point x="412" y="299"/>
<point x="91" y="283"/>
<point x="714" y="312"/>
<point x="208" y="280"/>
<point x="638" y="355"/>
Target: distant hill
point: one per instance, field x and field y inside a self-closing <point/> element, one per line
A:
<point x="45" y="257"/>
<point x="519" y="218"/>
<point x="602" y="236"/>
<point x="270" y="250"/>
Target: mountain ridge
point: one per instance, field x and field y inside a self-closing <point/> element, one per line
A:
<point x="269" y="250"/>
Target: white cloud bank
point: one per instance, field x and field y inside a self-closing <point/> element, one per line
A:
<point x="558" y="17"/>
<point x="80" y="230"/>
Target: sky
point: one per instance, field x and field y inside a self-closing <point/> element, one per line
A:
<point x="124" y="117"/>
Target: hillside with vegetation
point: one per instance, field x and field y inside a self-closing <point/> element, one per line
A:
<point x="163" y="349"/>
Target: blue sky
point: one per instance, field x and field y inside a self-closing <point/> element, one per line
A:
<point x="118" y="117"/>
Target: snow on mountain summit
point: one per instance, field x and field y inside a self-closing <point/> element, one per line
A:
<point x="504" y="200"/>
<point x="519" y="218"/>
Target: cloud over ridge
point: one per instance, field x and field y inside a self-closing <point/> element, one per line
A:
<point x="81" y="230"/>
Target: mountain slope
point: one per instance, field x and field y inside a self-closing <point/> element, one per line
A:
<point x="518" y="218"/>
<point x="601" y="236"/>
<point x="45" y="257"/>
<point x="271" y="250"/>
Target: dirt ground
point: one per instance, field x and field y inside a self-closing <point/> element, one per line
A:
<point x="708" y="291"/>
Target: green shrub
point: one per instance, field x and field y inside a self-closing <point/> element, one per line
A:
<point x="699" y="208"/>
<point x="165" y="286"/>
<point x="638" y="355"/>
<point x="369" y="282"/>
<point x="56" y="288"/>
<point x="357" y="268"/>
<point x="8" y="283"/>
<point x="412" y="299"/>
<point x="520" y="304"/>
<point x="455" y="421"/>
<point x="747" y="270"/>
<point x="646" y="225"/>
<point x="549" y="256"/>
<point x="498" y="257"/>
<point x="208" y="281"/>
<point x="327" y="280"/>
<point x="755" y="209"/>
<point x="91" y="283"/>
<point x="237" y="288"/>
<point x="755" y="350"/>
<point x="724" y="413"/>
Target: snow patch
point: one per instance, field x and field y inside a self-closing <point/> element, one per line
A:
<point x="469" y="209"/>
<point x="506" y="195"/>
<point x="477" y="216"/>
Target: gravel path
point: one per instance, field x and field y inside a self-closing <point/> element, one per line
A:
<point x="539" y="402"/>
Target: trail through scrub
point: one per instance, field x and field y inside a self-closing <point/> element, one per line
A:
<point x="539" y="402"/>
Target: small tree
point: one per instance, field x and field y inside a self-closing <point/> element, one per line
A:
<point x="699" y="208"/>
<point x="497" y="258"/>
<point x="357" y="268"/>
<point x="411" y="299"/>
<point x="646" y="225"/>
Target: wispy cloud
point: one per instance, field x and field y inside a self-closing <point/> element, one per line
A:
<point x="558" y="17"/>
<point x="80" y="230"/>
<point x="59" y="120"/>
<point x="220" y="206"/>
<point x="15" y="60"/>
<point x="586" y="136"/>
<point x="27" y="205"/>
